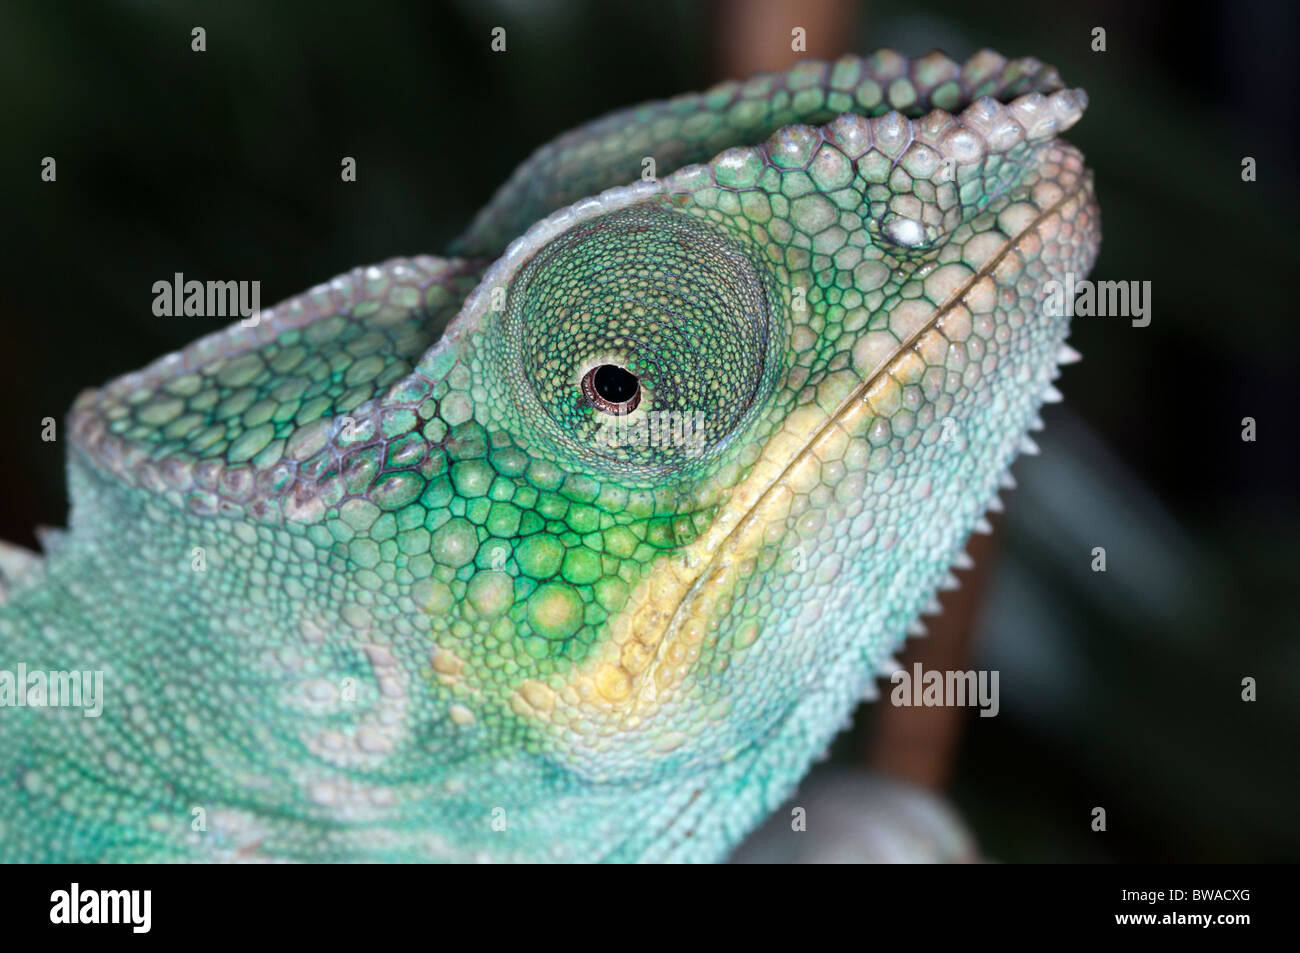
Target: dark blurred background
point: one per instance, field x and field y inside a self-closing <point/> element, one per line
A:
<point x="1120" y="689"/>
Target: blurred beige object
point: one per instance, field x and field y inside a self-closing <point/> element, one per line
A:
<point x="858" y="817"/>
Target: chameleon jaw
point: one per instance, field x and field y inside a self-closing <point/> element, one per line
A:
<point x="655" y="642"/>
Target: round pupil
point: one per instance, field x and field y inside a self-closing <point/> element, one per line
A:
<point x="615" y="384"/>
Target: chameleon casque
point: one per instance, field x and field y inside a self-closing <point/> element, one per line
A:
<point x="370" y="581"/>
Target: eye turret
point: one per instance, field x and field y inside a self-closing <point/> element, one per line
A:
<point x="637" y="343"/>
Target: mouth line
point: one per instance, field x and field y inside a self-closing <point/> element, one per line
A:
<point x="855" y="396"/>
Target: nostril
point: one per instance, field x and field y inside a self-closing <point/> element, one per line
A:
<point x="611" y="389"/>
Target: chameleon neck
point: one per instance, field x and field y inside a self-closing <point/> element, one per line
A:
<point x="184" y="738"/>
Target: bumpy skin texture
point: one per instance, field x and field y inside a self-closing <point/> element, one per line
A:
<point x="437" y="617"/>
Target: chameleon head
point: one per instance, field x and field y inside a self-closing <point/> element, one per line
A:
<point x="822" y="352"/>
<point x="690" y="456"/>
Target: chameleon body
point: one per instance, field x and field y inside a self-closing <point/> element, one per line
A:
<point x="371" y="580"/>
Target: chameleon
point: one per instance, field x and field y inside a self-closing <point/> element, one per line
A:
<point x="581" y="542"/>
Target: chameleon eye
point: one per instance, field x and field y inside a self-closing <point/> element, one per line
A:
<point x="638" y="341"/>
<point x="611" y="389"/>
